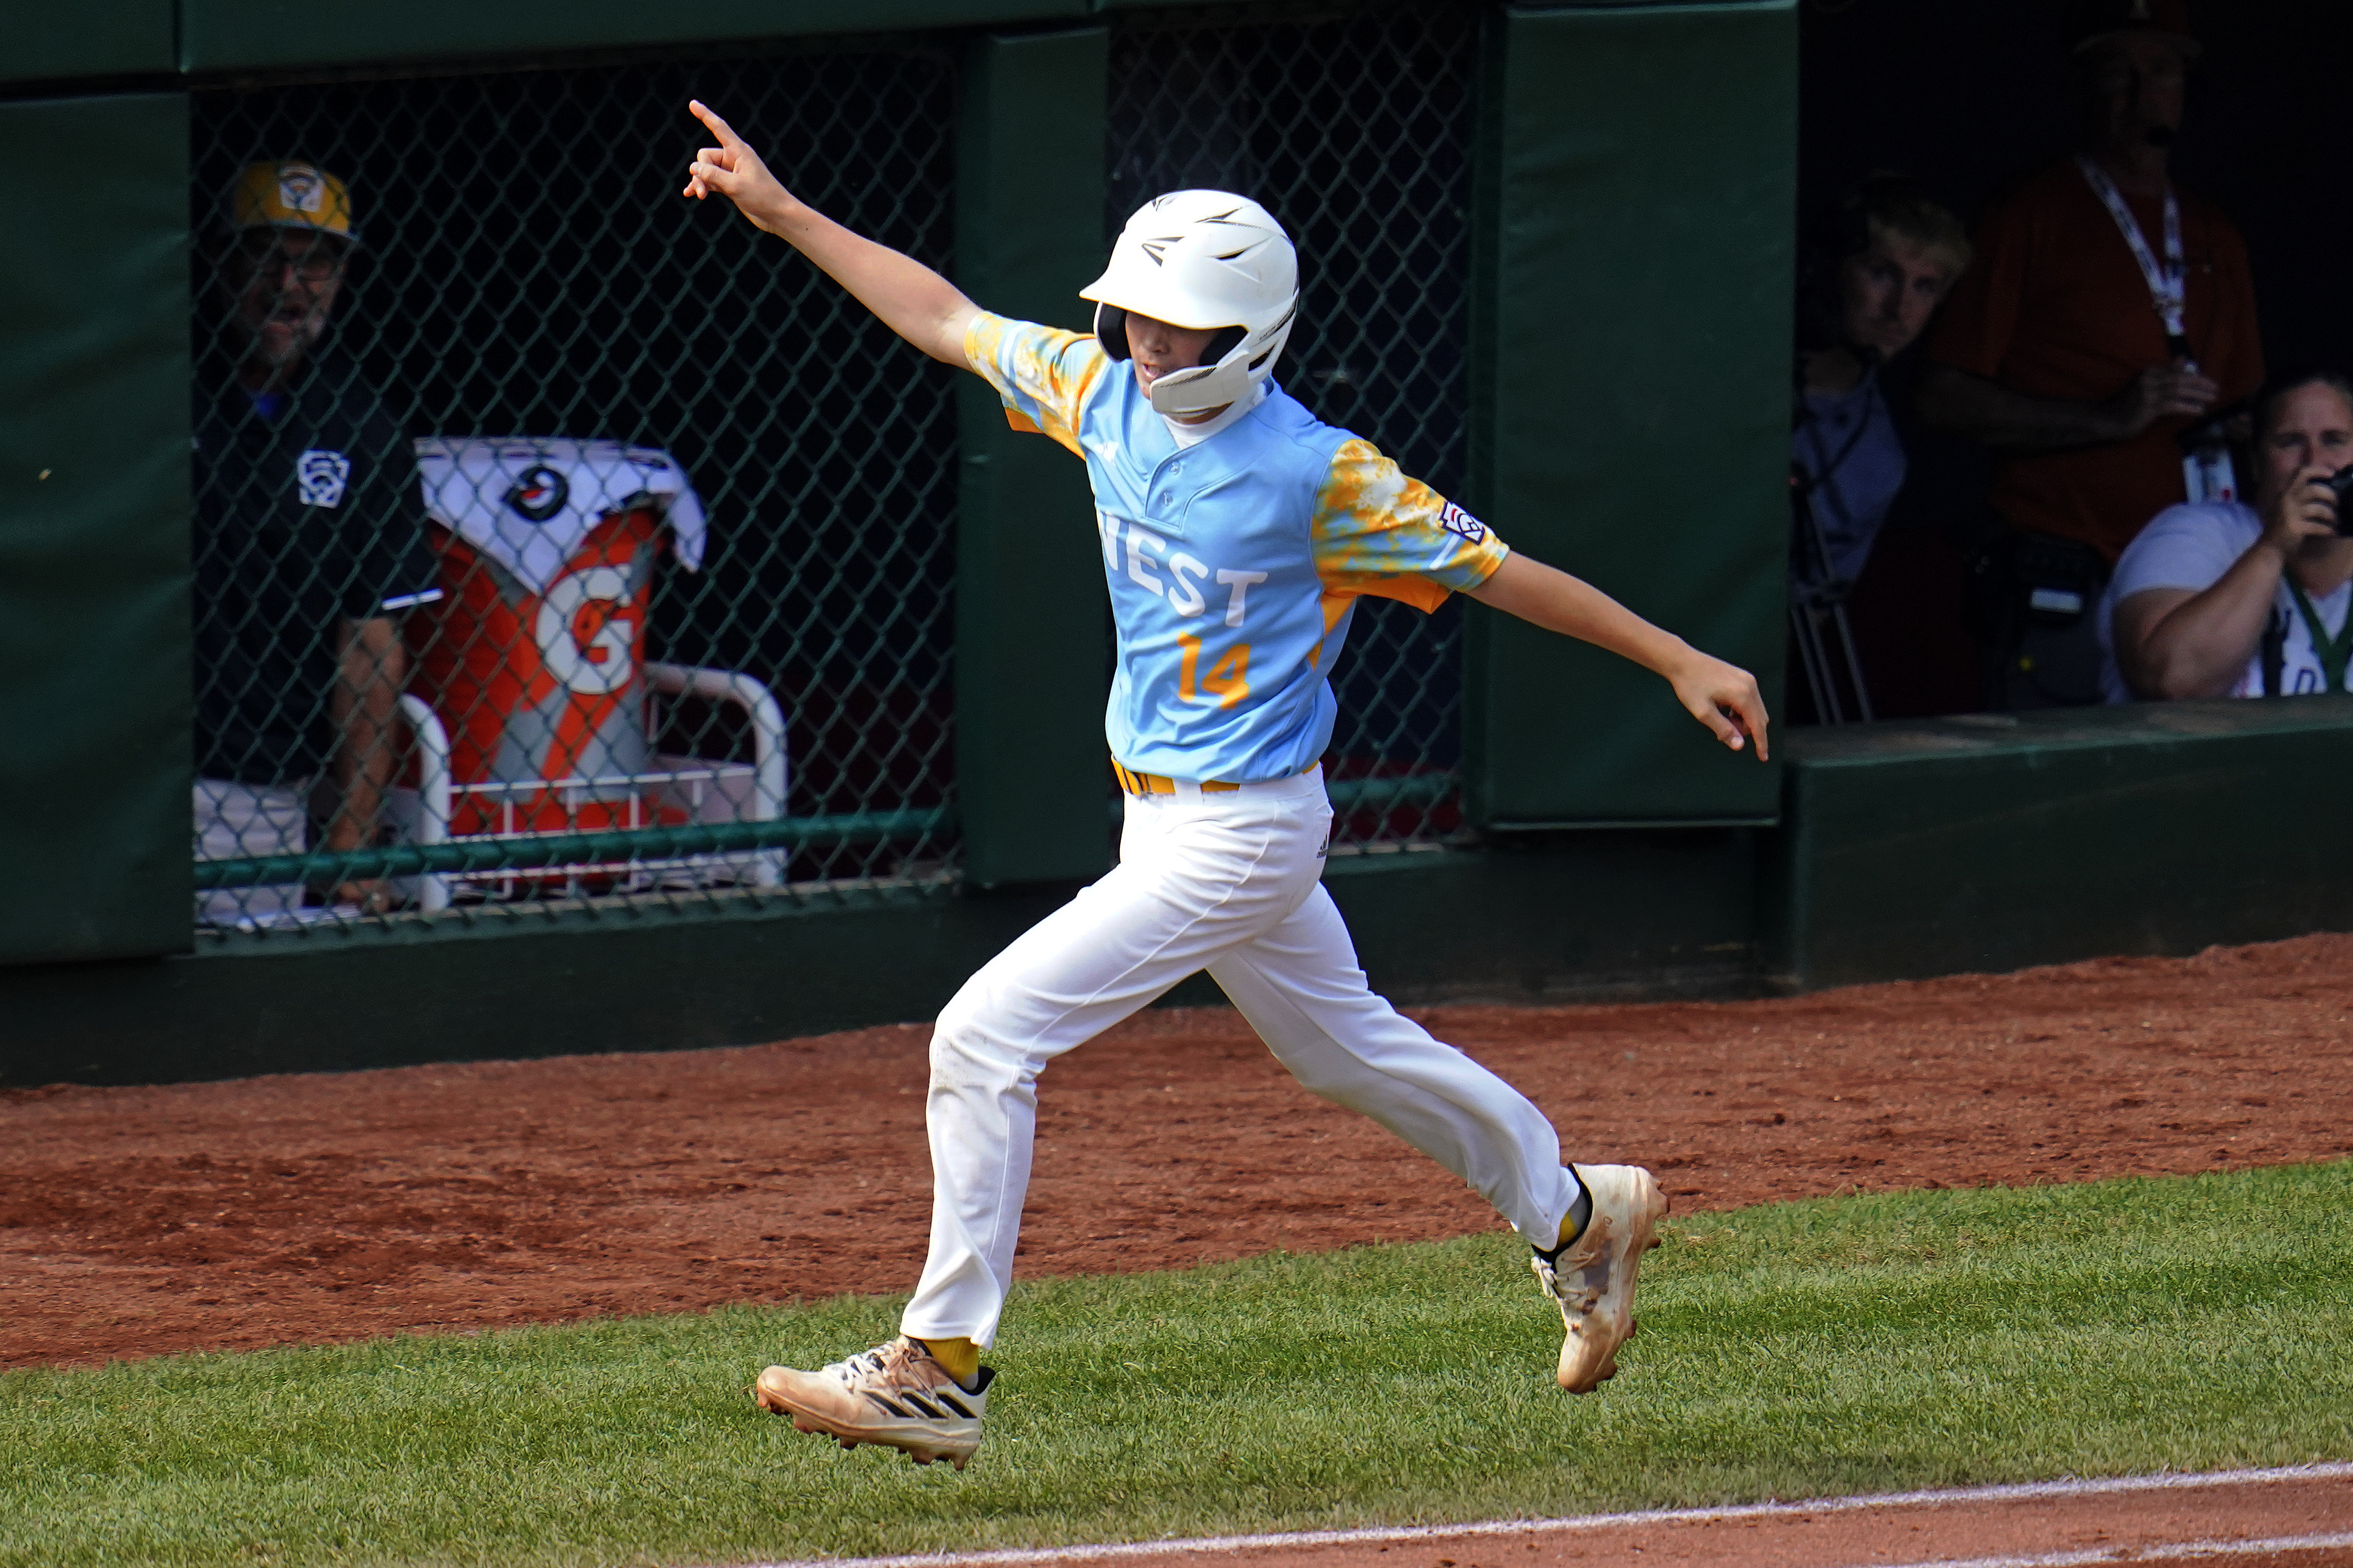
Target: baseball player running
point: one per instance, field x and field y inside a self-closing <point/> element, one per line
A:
<point x="1238" y="532"/>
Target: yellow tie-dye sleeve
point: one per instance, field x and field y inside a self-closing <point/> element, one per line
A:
<point x="1378" y="532"/>
<point x="1043" y="374"/>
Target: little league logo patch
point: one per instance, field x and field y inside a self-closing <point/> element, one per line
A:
<point x="300" y="190"/>
<point x="1454" y="519"/>
<point x="319" y="477"/>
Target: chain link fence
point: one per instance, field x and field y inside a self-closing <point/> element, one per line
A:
<point x="560" y="544"/>
<point x="1357" y="132"/>
<point x="652" y="526"/>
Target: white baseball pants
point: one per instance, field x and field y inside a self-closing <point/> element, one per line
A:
<point x="1228" y="882"/>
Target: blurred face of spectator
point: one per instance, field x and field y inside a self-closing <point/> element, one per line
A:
<point x="2310" y="425"/>
<point x="282" y="285"/>
<point x="1891" y="289"/>
<point x="2135" y="89"/>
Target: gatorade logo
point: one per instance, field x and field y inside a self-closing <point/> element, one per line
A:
<point x="540" y="494"/>
<point x="587" y="629"/>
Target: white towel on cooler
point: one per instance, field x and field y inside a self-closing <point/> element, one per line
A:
<point x="528" y="501"/>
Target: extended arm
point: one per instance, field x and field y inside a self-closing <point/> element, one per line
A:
<point x="1721" y="696"/>
<point x="1959" y="404"/>
<point x="372" y="667"/>
<point x="906" y="296"/>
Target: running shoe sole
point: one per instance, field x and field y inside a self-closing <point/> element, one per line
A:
<point x="911" y="1437"/>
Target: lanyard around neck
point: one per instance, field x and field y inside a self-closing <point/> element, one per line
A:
<point x="2168" y="284"/>
<point x="2334" y="653"/>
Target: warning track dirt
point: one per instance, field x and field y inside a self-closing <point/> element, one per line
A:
<point x="300" y="1209"/>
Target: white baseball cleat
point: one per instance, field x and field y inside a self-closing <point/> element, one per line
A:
<point x="1592" y="1280"/>
<point x="894" y="1394"/>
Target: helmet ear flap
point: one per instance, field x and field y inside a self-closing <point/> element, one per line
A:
<point x="1111" y="330"/>
<point x="1228" y="340"/>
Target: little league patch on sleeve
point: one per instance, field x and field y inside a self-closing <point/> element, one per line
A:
<point x="1454" y="519"/>
<point x="319" y="477"/>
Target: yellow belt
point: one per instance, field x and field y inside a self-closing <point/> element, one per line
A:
<point x="1153" y="784"/>
<point x="1134" y="782"/>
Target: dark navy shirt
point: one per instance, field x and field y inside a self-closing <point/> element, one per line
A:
<point x="307" y="514"/>
<point x="1846" y="446"/>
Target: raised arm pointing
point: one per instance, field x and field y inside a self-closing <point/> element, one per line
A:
<point x="930" y="312"/>
<point x="906" y="296"/>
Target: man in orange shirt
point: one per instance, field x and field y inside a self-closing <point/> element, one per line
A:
<point x="2108" y="308"/>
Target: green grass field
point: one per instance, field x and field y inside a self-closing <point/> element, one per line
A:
<point x="1804" y="1348"/>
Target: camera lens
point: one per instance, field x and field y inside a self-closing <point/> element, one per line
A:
<point x="2342" y="483"/>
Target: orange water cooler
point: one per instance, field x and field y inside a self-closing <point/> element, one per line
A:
<point x="534" y="658"/>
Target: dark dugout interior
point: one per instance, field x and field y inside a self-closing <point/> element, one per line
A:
<point x="1968" y="96"/>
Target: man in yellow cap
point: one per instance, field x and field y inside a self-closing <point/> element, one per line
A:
<point x="293" y="227"/>
<point x="308" y="545"/>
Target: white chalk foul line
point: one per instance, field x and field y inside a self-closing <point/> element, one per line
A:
<point x="2027" y="1492"/>
<point x="2170" y="1551"/>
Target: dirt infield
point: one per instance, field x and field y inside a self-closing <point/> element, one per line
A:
<point x="297" y="1210"/>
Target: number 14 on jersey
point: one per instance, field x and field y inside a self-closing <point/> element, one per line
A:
<point x="1228" y="681"/>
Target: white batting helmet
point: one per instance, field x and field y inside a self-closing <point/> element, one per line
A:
<point x="1202" y="259"/>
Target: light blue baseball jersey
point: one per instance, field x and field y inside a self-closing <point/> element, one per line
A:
<point x="1235" y="564"/>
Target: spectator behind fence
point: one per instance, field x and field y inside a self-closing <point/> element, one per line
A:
<point x="1869" y="286"/>
<point x="308" y="539"/>
<point x="2107" y="310"/>
<point x="2221" y="599"/>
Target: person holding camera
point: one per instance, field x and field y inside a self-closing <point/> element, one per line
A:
<point x="2109" y="311"/>
<point x="2221" y="599"/>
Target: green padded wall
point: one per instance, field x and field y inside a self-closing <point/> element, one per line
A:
<point x="101" y="38"/>
<point x="94" y="712"/>
<point x="1993" y="841"/>
<point x="1631" y="403"/>
<point x="1030" y="679"/>
<point x="1660" y="916"/>
<point x="263" y="34"/>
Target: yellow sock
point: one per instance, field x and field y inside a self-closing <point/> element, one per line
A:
<point x="961" y="1357"/>
<point x="1573" y="1222"/>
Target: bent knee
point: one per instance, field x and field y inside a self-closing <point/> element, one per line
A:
<point x="968" y="1051"/>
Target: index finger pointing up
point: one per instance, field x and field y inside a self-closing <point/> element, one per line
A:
<point x="719" y="127"/>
